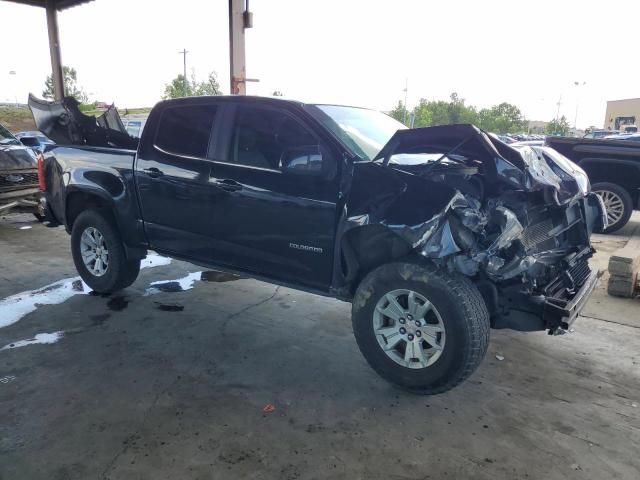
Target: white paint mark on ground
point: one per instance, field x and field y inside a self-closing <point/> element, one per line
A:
<point x="39" y="339"/>
<point x="16" y="306"/>
<point x="154" y="260"/>
<point x="7" y="379"/>
<point x="177" y="285"/>
<point x="25" y="228"/>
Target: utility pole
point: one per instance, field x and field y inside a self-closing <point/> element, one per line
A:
<point x="575" y="119"/>
<point x="184" y="52"/>
<point x="406" y="93"/>
<point x="558" y="109"/>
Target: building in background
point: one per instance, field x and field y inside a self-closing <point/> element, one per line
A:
<point x="621" y="113"/>
<point x="537" y="127"/>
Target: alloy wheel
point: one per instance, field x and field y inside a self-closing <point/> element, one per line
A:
<point x="409" y="329"/>
<point x="93" y="249"/>
<point x="613" y="205"/>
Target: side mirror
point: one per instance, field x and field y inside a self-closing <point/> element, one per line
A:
<point x="30" y="142"/>
<point x="302" y="160"/>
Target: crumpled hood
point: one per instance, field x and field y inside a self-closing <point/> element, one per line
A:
<point x="65" y="124"/>
<point x="522" y="169"/>
<point x="16" y="157"/>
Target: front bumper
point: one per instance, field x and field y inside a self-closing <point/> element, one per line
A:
<point x="25" y="200"/>
<point x="558" y="313"/>
<point x="554" y="309"/>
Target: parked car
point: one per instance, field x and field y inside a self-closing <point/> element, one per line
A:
<point x="34" y="139"/>
<point x="601" y="133"/>
<point x="19" y="190"/>
<point x="631" y="137"/>
<point x="433" y="234"/>
<point x="613" y="166"/>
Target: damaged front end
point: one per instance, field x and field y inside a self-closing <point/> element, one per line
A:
<point x="517" y="222"/>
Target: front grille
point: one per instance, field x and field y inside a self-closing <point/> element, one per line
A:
<point x="536" y="234"/>
<point x="16" y="180"/>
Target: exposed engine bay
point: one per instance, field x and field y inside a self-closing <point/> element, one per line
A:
<point x="517" y="222"/>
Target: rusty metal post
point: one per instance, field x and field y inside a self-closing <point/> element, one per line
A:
<point x="54" y="49"/>
<point x="239" y="19"/>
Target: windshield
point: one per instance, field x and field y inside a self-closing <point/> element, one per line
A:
<point x="364" y="131"/>
<point x="6" y="138"/>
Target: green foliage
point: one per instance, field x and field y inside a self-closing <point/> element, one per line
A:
<point x="71" y="88"/>
<point x="400" y="113"/>
<point x="178" y="87"/>
<point x="558" y="126"/>
<point x="502" y="118"/>
<point x="277" y="93"/>
<point x="423" y="114"/>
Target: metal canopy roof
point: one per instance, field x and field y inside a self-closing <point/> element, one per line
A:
<point x="59" y="4"/>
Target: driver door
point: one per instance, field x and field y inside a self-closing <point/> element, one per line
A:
<point x="275" y="211"/>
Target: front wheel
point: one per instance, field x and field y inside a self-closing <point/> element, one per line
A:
<point x="99" y="255"/>
<point x="617" y="203"/>
<point x="420" y="328"/>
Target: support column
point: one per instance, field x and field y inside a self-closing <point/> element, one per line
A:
<point x="237" y="62"/>
<point x="54" y="49"/>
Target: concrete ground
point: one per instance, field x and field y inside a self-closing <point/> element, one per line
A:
<point x="235" y="378"/>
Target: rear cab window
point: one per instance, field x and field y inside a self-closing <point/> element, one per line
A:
<point x="185" y="130"/>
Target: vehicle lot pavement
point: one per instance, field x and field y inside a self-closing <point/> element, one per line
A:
<point x="168" y="384"/>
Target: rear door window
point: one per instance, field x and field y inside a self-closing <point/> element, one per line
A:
<point x="186" y="130"/>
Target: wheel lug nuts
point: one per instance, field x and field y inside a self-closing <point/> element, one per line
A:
<point x="418" y="333"/>
<point x="417" y="323"/>
<point x="401" y="320"/>
<point x="410" y="337"/>
<point x="409" y="317"/>
<point x="403" y="330"/>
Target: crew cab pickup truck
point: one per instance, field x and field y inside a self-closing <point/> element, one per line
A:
<point x="613" y="166"/>
<point x="434" y="235"/>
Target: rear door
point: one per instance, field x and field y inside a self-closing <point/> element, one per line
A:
<point x="172" y="174"/>
<point x="277" y="184"/>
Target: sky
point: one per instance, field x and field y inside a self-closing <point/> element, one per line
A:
<point x="356" y="52"/>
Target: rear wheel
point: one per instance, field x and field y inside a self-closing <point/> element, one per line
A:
<point x="420" y="328"/>
<point x="617" y="202"/>
<point x="98" y="253"/>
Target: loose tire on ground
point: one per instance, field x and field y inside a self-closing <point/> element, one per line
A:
<point x="618" y="202"/>
<point x="119" y="272"/>
<point x="460" y="309"/>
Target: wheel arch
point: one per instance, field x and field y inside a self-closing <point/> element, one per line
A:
<point x="365" y="248"/>
<point x="626" y="173"/>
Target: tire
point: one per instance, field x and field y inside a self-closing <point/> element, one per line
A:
<point x="40" y="218"/>
<point x="118" y="271"/>
<point x="618" y="202"/>
<point x="459" y="312"/>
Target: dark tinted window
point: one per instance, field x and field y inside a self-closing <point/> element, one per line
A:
<point x="185" y="130"/>
<point x="267" y="138"/>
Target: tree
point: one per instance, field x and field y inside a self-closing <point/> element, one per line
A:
<point x="71" y="88"/>
<point x="277" y="93"/>
<point x="423" y="116"/>
<point x="400" y="112"/>
<point x="502" y="118"/>
<point x="558" y="126"/>
<point x="179" y="88"/>
<point x="210" y="86"/>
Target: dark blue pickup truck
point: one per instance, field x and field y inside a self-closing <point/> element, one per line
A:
<point x="434" y="235"/>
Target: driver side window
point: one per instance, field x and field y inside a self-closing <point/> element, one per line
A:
<point x="270" y="139"/>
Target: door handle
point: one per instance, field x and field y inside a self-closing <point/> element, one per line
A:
<point x="153" y="172"/>
<point x="228" y="185"/>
